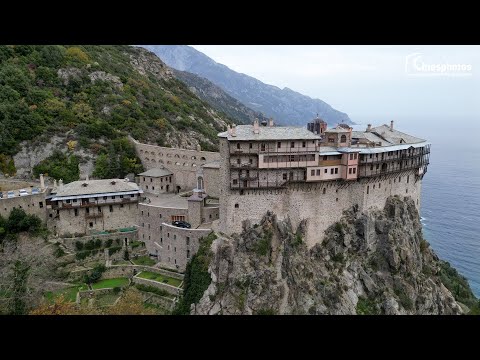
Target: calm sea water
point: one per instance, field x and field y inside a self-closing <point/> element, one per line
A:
<point x="450" y="208"/>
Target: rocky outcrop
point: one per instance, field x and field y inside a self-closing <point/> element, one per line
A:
<point x="146" y="62"/>
<point x="368" y="263"/>
<point x="103" y="76"/>
<point x="69" y="73"/>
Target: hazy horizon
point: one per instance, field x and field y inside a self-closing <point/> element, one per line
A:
<point x="365" y="80"/>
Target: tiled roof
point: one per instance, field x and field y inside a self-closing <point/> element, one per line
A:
<point x="157" y="172"/>
<point x="96" y="187"/>
<point x="245" y="132"/>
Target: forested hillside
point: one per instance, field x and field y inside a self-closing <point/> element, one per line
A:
<point x="63" y="105"/>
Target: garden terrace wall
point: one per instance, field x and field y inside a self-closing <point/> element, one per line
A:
<point x="129" y="236"/>
<point x="169" y="288"/>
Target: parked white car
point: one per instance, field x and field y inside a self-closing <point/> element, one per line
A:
<point x="35" y="191"/>
<point x="10" y="194"/>
<point x="23" y="192"/>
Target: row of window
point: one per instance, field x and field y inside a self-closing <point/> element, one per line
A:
<point x="167" y="179"/>
<point x="169" y="162"/>
<point x="390" y="181"/>
<point x="40" y="204"/>
<point x="170" y="155"/>
<point x="279" y="145"/>
<point x="96" y="198"/>
<point x="286" y="158"/>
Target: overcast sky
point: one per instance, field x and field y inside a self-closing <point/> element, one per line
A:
<point x="366" y="81"/>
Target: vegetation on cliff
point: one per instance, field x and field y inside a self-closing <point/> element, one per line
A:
<point x="98" y="94"/>
<point x="197" y="278"/>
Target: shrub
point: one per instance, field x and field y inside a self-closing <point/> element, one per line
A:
<point x="90" y="245"/>
<point x="117" y="241"/>
<point x="98" y="243"/>
<point x="81" y="255"/>
<point x="108" y="243"/>
<point x="152" y="289"/>
<point x="96" y="274"/>
<point x="59" y="252"/>
<point x="116" y="290"/>
<point x="114" y="249"/>
<point x="126" y="255"/>
<point x="78" y="245"/>
<point x="263" y="245"/>
<point x="366" y="306"/>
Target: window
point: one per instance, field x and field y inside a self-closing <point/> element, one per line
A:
<point x="188" y="254"/>
<point x="279" y="144"/>
<point x="331" y="171"/>
<point x="104" y="198"/>
<point x="374" y="186"/>
<point x="75" y="200"/>
<point x="142" y="212"/>
<point x="121" y="196"/>
<point x="336" y="170"/>
<point x="40" y="204"/>
<point x="368" y="190"/>
<point x="325" y="157"/>
<point x="238" y="161"/>
<point x="250" y="145"/>
<point x="161" y="240"/>
<point x="406" y="191"/>
<point x="99" y="209"/>
<point x="110" y="208"/>
<point x="285" y="176"/>
<point x="75" y="211"/>
<point x="350" y="171"/>
<point x="235" y="182"/>
<point x="238" y="145"/>
<point x="174" y="237"/>
<point x="68" y="201"/>
<point x="318" y="172"/>
<point x="292" y="157"/>
<point x="408" y="179"/>
<point x="151" y="179"/>
<point x="168" y="235"/>
<point x="343" y="139"/>
<point x="331" y="140"/>
<point x="354" y="170"/>
<point x="148" y="214"/>
<point x="87" y="210"/>
<point x="236" y="206"/>
<point x="336" y="199"/>
<point x="371" y="167"/>
<point x="370" y="156"/>
<point x="312" y="173"/>
<point x="143" y="179"/>
<point x="188" y="240"/>
<point x="325" y="171"/>
<point x="113" y="197"/>
<point x="91" y="224"/>
<point x="160" y="218"/>
<point x="148" y="226"/>
<point x="324" y="191"/>
<point x="378" y="166"/>
<point x="250" y="161"/>
<point x="351" y="156"/>
<point x="379" y="185"/>
<point x="399" y="178"/>
<point x="292" y="144"/>
<point x="262" y="147"/>
<point x="132" y="195"/>
<point x="146" y="186"/>
<point x="355" y="156"/>
<point x="304" y="144"/>
<point x="153" y="187"/>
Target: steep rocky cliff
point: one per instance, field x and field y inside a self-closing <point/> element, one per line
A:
<point x="368" y="263"/>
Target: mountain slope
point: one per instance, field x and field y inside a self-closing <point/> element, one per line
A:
<point x="84" y="100"/>
<point x="284" y="105"/>
<point x="218" y="98"/>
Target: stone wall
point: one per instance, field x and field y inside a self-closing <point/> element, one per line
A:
<point x="210" y="213"/>
<point x="32" y="204"/>
<point x="151" y="218"/>
<point x="322" y="204"/>
<point x="174" y="246"/>
<point x="122" y="236"/>
<point x="182" y="162"/>
<point x="77" y="221"/>
<point x="169" y="288"/>
<point x="115" y="271"/>
<point x="211" y="181"/>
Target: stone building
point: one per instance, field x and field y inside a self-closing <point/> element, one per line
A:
<point x="157" y="181"/>
<point x="87" y="206"/>
<point x="302" y="175"/>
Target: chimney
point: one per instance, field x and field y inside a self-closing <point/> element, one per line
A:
<point x="42" y="182"/>
<point x="234" y="130"/>
<point x="391" y="125"/>
<point x="369" y="127"/>
<point x="229" y="130"/>
<point x="256" y="127"/>
<point x="55" y="183"/>
<point x="270" y="122"/>
<point x="60" y="184"/>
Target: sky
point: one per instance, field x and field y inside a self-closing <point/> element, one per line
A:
<point x="367" y="81"/>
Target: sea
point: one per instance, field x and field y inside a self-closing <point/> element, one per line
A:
<point x="450" y="203"/>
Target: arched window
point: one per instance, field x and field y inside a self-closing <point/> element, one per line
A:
<point x="343" y="138"/>
<point x="203" y="158"/>
<point x="200" y="183"/>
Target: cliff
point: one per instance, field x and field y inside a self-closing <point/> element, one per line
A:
<point x="368" y="263"/>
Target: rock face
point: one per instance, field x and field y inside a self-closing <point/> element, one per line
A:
<point x="368" y="263"/>
<point x="286" y="106"/>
